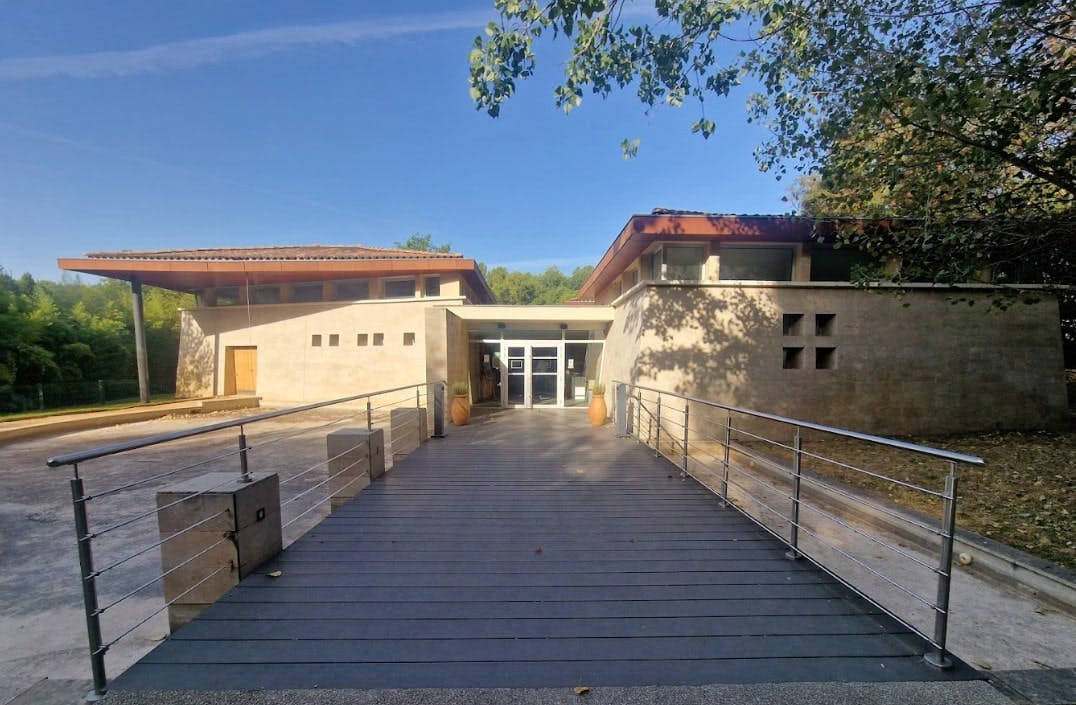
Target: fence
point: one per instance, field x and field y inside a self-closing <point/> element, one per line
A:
<point x="797" y="480"/>
<point x="218" y="500"/>
<point x="39" y="397"/>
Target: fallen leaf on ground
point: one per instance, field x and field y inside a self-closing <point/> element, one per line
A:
<point x="275" y="574"/>
<point x="581" y="690"/>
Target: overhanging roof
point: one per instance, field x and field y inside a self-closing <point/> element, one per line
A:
<point x="641" y="231"/>
<point x="195" y="269"/>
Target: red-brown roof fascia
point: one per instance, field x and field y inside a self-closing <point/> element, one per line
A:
<point x="193" y="274"/>
<point x="643" y="230"/>
<point x="281" y="253"/>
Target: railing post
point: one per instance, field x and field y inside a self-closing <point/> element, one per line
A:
<point x="620" y="410"/>
<point x="938" y="657"/>
<point x="725" y="460"/>
<point x="369" y="415"/>
<point x="438" y="409"/>
<point x="794" y="528"/>
<point x="89" y="588"/>
<point x="244" y="469"/>
<point x="639" y="414"/>
<point x="657" y="433"/>
<point x="683" y="456"/>
<point x="418" y="397"/>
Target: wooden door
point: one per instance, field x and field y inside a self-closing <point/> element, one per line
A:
<point x="241" y="370"/>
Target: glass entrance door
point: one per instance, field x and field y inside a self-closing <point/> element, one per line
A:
<point x="533" y="374"/>
<point x="544" y="375"/>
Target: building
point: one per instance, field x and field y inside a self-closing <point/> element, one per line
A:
<point x="747" y="310"/>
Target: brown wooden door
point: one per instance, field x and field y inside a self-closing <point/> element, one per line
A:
<point x="241" y="370"/>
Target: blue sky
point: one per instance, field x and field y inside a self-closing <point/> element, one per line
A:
<point x="141" y="124"/>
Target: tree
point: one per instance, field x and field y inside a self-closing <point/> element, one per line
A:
<point x="423" y="242"/>
<point x="934" y="110"/>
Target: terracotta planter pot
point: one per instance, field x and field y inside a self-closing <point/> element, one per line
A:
<point x="597" y="410"/>
<point x="460" y="410"/>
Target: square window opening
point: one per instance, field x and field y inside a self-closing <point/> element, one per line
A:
<point x="334" y="340"/>
<point x="315" y="341"/>
<point x="433" y="286"/>
<point x="379" y="338"/>
<point x="792" y="324"/>
<point x="792" y="358"/>
<point x="825" y="324"/>
<point x="825" y="358"/>
<point x="362" y="339"/>
<point x="409" y="339"/>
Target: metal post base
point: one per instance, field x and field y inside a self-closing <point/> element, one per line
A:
<point x="93" y="696"/>
<point x="938" y="659"/>
<point x="793" y="555"/>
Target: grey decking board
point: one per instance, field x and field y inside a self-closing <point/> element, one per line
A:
<point x="431" y="578"/>
<point x="503" y="628"/>
<point x="529" y="675"/>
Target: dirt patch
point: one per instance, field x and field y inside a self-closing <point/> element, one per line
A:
<point x="1025" y="495"/>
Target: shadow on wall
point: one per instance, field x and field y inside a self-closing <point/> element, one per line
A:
<point x="197" y="367"/>
<point x="698" y="343"/>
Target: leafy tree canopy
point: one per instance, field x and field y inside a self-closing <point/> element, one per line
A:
<point x="423" y="242"/>
<point x="940" y="111"/>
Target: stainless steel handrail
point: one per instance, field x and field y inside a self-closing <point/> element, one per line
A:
<point x="102" y="451"/>
<point x="627" y="393"/>
<point x="880" y="440"/>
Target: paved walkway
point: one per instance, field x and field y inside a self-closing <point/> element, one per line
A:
<point x="530" y="551"/>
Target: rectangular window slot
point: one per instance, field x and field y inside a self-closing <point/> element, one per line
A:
<point x="409" y="338"/>
<point x="793" y="358"/>
<point x="825" y="358"/>
<point x="315" y="341"/>
<point x="825" y="324"/>
<point x="792" y="324"/>
<point x="334" y="340"/>
<point x="379" y="338"/>
<point x="363" y="339"/>
<point x="433" y="286"/>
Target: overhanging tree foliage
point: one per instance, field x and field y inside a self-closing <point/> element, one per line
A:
<point x="956" y="116"/>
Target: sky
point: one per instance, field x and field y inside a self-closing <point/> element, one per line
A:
<point x="143" y="124"/>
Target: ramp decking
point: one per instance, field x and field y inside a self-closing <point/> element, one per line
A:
<point x="528" y="550"/>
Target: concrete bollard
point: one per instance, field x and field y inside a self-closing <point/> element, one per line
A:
<point x="356" y="456"/>
<point x="236" y="528"/>
<point x="408" y="430"/>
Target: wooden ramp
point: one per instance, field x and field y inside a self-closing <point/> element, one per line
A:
<point x="528" y="550"/>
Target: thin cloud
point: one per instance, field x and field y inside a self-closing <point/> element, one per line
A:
<point x="191" y="53"/>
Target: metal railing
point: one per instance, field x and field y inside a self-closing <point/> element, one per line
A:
<point x="119" y="570"/>
<point x="787" y="476"/>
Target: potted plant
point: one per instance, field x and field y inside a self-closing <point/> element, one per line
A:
<point x="460" y="410"/>
<point x="597" y="411"/>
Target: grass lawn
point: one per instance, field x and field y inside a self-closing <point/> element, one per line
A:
<point x="1025" y="495"/>
<point x="108" y="406"/>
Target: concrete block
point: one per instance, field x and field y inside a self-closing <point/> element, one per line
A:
<point x="179" y="614"/>
<point x="348" y="452"/>
<point x="219" y="530"/>
<point x="408" y="430"/>
<point x="376" y="452"/>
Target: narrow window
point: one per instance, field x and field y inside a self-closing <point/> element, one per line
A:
<point x="755" y="263"/>
<point x="351" y="290"/>
<point x="433" y="286"/>
<point x="363" y="339"/>
<point x="334" y="340"/>
<point x="825" y="358"/>
<point x="307" y="293"/>
<point x="793" y="358"/>
<point x="409" y="338"/>
<point x="379" y="338"/>
<point x="315" y="341"/>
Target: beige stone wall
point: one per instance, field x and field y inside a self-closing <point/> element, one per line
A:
<point x="915" y="364"/>
<point x="289" y="367"/>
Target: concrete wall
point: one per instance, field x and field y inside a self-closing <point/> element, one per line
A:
<point x="289" y="367"/>
<point x="906" y="365"/>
